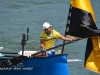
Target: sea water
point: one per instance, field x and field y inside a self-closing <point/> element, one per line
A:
<point x="18" y="15"/>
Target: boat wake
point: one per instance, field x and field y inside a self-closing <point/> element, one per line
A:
<point x="1" y="48"/>
<point x="73" y="60"/>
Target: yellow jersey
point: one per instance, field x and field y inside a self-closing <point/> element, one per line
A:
<point x="49" y="41"/>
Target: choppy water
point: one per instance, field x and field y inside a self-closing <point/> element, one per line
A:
<point x="18" y="15"/>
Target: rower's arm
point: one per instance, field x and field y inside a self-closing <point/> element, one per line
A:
<point x="66" y="39"/>
<point x="42" y="44"/>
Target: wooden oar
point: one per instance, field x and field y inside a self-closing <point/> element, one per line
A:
<point x="9" y="52"/>
<point x="3" y="55"/>
<point x="19" y="59"/>
<point x="26" y="53"/>
<point x="57" y="46"/>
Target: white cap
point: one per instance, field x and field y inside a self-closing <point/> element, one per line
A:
<point x="46" y="25"/>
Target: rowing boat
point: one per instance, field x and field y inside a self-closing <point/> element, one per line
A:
<point x="54" y="65"/>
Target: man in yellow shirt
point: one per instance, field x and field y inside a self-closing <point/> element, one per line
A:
<point x="49" y="36"/>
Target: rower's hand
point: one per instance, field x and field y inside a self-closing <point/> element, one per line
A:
<point x="44" y="52"/>
<point x="73" y="40"/>
<point x="43" y="49"/>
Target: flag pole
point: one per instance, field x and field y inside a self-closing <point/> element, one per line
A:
<point x="68" y="22"/>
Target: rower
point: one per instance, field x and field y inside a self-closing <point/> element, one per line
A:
<point x="48" y="38"/>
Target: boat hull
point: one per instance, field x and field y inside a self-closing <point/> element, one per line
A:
<point x="54" y="65"/>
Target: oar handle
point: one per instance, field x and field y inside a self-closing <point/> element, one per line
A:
<point x="63" y="44"/>
<point x="27" y="30"/>
<point x="27" y="34"/>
